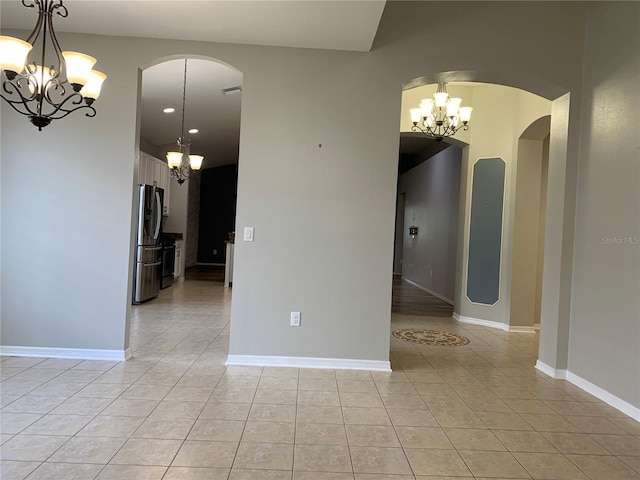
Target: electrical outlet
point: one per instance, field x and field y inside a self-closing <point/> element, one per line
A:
<point x="215" y="252"/>
<point x="295" y="319"/>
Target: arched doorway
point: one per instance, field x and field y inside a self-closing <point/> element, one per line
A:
<point x="557" y="163"/>
<point x="530" y="214"/>
<point x="199" y="97"/>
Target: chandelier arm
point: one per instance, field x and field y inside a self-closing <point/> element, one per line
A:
<point x="75" y="99"/>
<point x="54" y="85"/>
<point x="13" y="104"/>
<point x="22" y="101"/>
<point x="91" y="113"/>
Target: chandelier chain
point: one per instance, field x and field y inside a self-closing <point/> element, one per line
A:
<point x="184" y="101"/>
<point x="181" y="163"/>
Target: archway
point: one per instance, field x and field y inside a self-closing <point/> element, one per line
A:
<point x="560" y="193"/>
<point x="528" y="241"/>
<point x="209" y="114"/>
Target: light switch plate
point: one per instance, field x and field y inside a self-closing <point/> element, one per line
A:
<point x="248" y="234"/>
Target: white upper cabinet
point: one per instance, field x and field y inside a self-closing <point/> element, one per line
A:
<point x="153" y="171"/>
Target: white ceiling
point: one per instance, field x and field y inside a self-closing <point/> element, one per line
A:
<point x="215" y="115"/>
<point x="325" y="24"/>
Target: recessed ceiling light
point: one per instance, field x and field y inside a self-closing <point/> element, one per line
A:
<point x="169" y="110"/>
<point x="193" y="130"/>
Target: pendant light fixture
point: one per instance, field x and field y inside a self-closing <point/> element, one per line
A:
<point x="41" y="91"/>
<point x="182" y="163"/>
<point x="440" y="116"/>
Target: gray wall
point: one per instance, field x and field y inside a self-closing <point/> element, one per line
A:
<point x="432" y="192"/>
<point x="605" y="308"/>
<point x="320" y="192"/>
<point x="329" y="251"/>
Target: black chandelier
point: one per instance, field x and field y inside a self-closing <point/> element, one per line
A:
<point x="440" y="116"/>
<point x="182" y="163"/>
<point x="46" y="93"/>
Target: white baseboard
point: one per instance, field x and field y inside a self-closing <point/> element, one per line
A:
<point x="587" y="386"/>
<point x="479" y="321"/>
<point x="75" y="353"/>
<point x="550" y="371"/>
<point x="308" y="362"/>
<point x="492" y="324"/>
<point x="605" y="396"/>
<point x="430" y="292"/>
<point x="521" y="329"/>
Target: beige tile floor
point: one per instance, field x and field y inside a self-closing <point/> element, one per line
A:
<point x="175" y="412"/>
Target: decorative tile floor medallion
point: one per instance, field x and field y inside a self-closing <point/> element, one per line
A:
<point x="430" y="337"/>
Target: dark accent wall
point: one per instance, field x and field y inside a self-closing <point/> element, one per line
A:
<point x="218" y="191"/>
<point x="193" y="219"/>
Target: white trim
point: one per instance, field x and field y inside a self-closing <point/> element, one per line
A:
<point x="479" y="321"/>
<point x="587" y="386"/>
<point x="536" y="326"/>
<point x="308" y="362"/>
<point x="76" y="353"/>
<point x="605" y="396"/>
<point x="550" y="371"/>
<point x="430" y="292"/>
<point x="522" y="329"/>
<point x="492" y="324"/>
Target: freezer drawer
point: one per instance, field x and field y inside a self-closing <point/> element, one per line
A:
<point x="146" y="281"/>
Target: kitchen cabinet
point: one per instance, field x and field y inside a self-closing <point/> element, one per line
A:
<point x="178" y="267"/>
<point x="152" y="171"/>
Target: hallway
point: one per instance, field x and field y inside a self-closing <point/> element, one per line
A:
<point x="174" y="411"/>
<point x="410" y="300"/>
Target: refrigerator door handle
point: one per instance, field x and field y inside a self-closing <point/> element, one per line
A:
<point x="152" y="264"/>
<point x="158" y="215"/>
<point x="152" y="249"/>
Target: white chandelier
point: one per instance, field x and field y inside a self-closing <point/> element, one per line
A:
<point x="41" y="91"/>
<point x="440" y="116"/>
<point x="182" y="163"/>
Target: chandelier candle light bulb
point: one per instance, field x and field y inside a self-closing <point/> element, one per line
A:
<point x="39" y="79"/>
<point x="78" y="67"/>
<point x="174" y="159"/>
<point x="440" y="116"/>
<point x="13" y="55"/>
<point x="91" y="90"/>
<point x="195" y="161"/>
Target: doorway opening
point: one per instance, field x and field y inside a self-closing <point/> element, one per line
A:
<point x="199" y="214"/>
<point x="442" y="184"/>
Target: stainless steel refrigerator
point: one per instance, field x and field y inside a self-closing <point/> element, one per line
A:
<point x="148" y="265"/>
